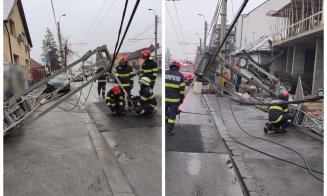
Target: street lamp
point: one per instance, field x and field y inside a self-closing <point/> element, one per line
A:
<point x="155" y="34"/>
<point x="61" y="16"/>
<point x="205" y="32"/>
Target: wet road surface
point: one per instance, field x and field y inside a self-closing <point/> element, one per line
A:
<point x="278" y="178"/>
<point x="134" y="140"/>
<point x="196" y="155"/>
<point x="53" y="156"/>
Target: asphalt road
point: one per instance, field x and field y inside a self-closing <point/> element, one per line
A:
<point x="196" y="155"/>
<point x="135" y="141"/>
<point x="54" y="155"/>
<point x="278" y="178"/>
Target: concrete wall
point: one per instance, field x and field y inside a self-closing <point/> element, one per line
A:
<point x="318" y="72"/>
<point x="279" y="63"/>
<point x="256" y="21"/>
<point x="298" y="59"/>
<point x="289" y="60"/>
<point x="18" y="48"/>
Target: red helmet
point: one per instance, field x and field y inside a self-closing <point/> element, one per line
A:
<point x="145" y="54"/>
<point x="284" y="96"/>
<point x="175" y="63"/>
<point x="116" y="90"/>
<point x="124" y="58"/>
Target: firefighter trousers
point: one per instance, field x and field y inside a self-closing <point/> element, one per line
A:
<point x="171" y="112"/>
<point x="102" y="86"/>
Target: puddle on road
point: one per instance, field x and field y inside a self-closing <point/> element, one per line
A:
<point x="194" y="165"/>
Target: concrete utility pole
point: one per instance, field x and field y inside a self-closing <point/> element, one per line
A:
<point x="59" y="39"/>
<point x="205" y="32"/>
<point x="60" y="44"/>
<point x="156" y="39"/>
<point x="222" y="52"/>
<point x="155" y="35"/>
<point x="205" y="36"/>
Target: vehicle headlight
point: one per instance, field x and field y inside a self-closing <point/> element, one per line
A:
<point x="49" y="82"/>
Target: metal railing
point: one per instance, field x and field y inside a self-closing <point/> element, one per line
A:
<point x="308" y="24"/>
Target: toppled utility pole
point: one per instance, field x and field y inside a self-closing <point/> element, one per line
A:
<point x="222" y="52"/>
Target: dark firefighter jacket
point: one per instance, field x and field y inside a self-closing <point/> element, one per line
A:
<point x="102" y="78"/>
<point x="147" y="97"/>
<point x="175" y="86"/>
<point x="125" y="74"/>
<point x="113" y="100"/>
<point x="276" y="111"/>
<point x="149" y="69"/>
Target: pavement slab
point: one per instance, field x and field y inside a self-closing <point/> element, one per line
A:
<point x="197" y="160"/>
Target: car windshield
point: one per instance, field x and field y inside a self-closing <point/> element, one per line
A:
<point x="61" y="77"/>
<point x="186" y="69"/>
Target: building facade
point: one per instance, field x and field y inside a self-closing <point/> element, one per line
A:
<point x="302" y="37"/>
<point x="16" y="38"/>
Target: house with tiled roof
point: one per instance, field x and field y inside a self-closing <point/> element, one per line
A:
<point x="135" y="59"/>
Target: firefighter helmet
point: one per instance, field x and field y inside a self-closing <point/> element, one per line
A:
<point x="116" y="90"/>
<point x="175" y="63"/>
<point x="284" y="96"/>
<point x="145" y="81"/>
<point x="124" y="59"/>
<point x="145" y="54"/>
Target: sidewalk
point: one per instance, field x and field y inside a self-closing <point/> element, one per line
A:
<point x="196" y="156"/>
<point x="60" y="154"/>
<point x="276" y="177"/>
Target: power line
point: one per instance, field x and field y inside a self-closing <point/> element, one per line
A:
<point x="147" y="26"/>
<point x="179" y="23"/>
<point x="139" y="46"/>
<point x="54" y="15"/>
<point x="138" y="35"/>
<point x="171" y="20"/>
<point x="96" y="17"/>
<point x="101" y="20"/>
<point x="215" y="17"/>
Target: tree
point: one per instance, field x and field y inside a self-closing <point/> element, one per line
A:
<point x="168" y="57"/>
<point x="50" y="53"/>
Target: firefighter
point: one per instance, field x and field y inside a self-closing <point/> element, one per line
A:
<point x="145" y="103"/>
<point x="279" y="117"/>
<point x="149" y="68"/>
<point x="115" y="100"/>
<point x="175" y="88"/>
<point x="125" y="74"/>
<point x="102" y="81"/>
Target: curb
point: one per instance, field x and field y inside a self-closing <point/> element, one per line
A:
<point x="250" y="184"/>
<point x="118" y="183"/>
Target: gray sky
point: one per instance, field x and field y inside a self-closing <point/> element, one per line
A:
<point x="191" y="23"/>
<point x="80" y="15"/>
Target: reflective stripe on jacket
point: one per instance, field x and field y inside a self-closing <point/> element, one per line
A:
<point x="114" y="100"/>
<point x="102" y="78"/>
<point x="147" y="97"/>
<point x="276" y="111"/>
<point x="149" y="69"/>
<point x="174" y="86"/>
<point x="125" y="74"/>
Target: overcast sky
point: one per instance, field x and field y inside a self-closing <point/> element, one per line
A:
<point x="191" y="23"/>
<point x="81" y="25"/>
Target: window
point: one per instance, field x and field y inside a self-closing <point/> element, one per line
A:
<point x="27" y="63"/>
<point x="16" y="59"/>
<point x="12" y="28"/>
